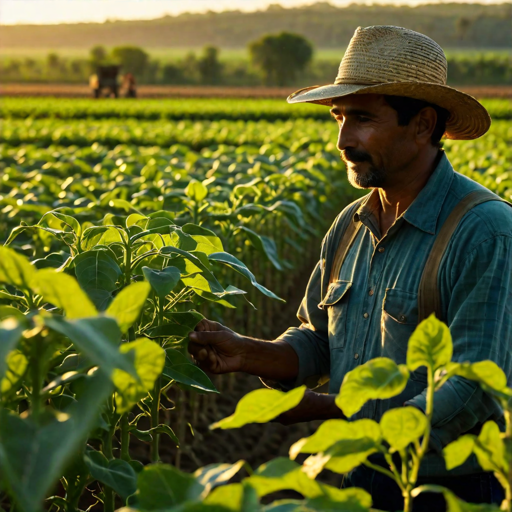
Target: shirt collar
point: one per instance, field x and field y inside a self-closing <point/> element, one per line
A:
<point x="424" y="211"/>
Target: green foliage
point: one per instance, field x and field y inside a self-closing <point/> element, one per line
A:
<point x="124" y="247"/>
<point x="281" y="57"/>
<point x="430" y="345"/>
<point x="261" y="406"/>
<point x="131" y="58"/>
<point x="379" y="378"/>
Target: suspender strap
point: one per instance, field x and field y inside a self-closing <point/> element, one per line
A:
<point x="429" y="299"/>
<point x="343" y="247"/>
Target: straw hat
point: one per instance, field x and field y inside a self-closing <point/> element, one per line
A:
<point x="400" y="62"/>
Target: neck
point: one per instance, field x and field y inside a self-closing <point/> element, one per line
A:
<point x="410" y="180"/>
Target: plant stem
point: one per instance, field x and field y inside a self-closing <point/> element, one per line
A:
<point x="125" y="438"/>
<point x="109" y="499"/>
<point x="413" y="477"/>
<point x="127" y="264"/>
<point x="36" y="362"/>
<point x="155" y="408"/>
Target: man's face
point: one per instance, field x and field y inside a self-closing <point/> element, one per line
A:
<point x="372" y="144"/>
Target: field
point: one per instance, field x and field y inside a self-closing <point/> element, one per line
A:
<point x="194" y="91"/>
<point x="124" y="223"/>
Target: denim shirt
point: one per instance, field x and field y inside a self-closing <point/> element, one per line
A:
<point x="372" y="309"/>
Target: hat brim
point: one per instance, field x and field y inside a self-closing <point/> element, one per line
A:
<point x="468" y="118"/>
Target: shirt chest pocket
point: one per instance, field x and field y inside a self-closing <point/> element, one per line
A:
<point x="399" y="319"/>
<point x="336" y="303"/>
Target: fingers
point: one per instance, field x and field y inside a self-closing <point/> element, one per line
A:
<point x="209" y="325"/>
<point x="207" y="337"/>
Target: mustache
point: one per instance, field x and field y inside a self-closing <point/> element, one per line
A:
<point x="354" y="155"/>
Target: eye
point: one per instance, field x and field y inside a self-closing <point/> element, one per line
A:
<point x="363" y="119"/>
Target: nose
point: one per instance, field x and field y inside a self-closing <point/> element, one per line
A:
<point x="345" y="136"/>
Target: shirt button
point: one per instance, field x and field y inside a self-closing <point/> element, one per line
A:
<point x="370" y="293"/>
<point x="356" y="356"/>
<point x="366" y="315"/>
<point x="381" y="249"/>
<point x="402" y="318"/>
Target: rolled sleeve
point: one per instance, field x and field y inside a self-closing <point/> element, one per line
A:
<point x="480" y="321"/>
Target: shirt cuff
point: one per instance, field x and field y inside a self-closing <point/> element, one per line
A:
<point x="313" y="369"/>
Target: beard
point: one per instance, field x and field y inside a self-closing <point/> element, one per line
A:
<point x="372" y="177"/>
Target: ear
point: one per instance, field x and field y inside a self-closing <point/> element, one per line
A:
<point x="425" y="125"/>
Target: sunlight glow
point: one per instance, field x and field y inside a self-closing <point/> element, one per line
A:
<point x="75" y="11"/>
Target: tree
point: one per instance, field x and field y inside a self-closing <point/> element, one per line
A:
<point x="132" y="59"/>
<point x="98" y="54"/>
<point x="281" y="57"/>
<point x="462" y="27"/>
<point x="210" y="68"/>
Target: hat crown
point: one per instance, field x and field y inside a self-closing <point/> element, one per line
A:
<point x="388" y="54"/>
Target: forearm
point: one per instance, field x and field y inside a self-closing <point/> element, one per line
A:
<point x="314" y="406"/>
<point x="274" y="360"/>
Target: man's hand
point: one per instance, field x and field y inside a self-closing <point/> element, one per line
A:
<point x="216" y="348"/>
<point x="313" y="406"/>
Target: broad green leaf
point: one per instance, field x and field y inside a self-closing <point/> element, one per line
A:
<point x="379" y="378"/>
<point x="265" y="245"/>
<point x="63" y="291"/>
<point x="170" y="330"/>
<point x="195" y="259"/>
<point x="344" y="500"/>
<point x="128" y="304"/>
<point x="148" y="360"/>
<point x="11" y="312"/>
<point x="161" y="486"/>
<point x="15" y="269"/>
<point x="231" y="497"/>
<point x="162" y="281"/>
<point x="490" y="449"/>
<point x="332" y="431"/>
<point x="61" y="222"/>
<point x="198" y="282"/>
<point x="96" y="338"/>
<point x="207" y="241"/>
<point x="214" y="475"/>
<point x="453" y="503"/>
<point x="180" y="369"/>
<point x="402" y="426"/>
<point x="283" y="474"/>
<point x="261" y="406"/>
<point x="236" y="264"/>
<point x="10" y="334"/>
<point x="430" y="345"/>
<point x="117" y="473"/>
<point x="457" y="452"/>
<point x="360" y="439"/>
<point x="483" y="372"/>
<point x="196" y="191"/>
<point x="17" y="364"/>
<point x="97" y="272"/>
<point x="33" y="458"/>
<point x="100" y="235"/>
<point x="185" y="318"/>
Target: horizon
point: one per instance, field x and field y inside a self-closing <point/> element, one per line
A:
<point x="57" y="12"/>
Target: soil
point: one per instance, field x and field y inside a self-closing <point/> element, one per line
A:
<point x="172" y="91"/>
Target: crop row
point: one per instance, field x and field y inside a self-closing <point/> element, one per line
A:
<point x="184" y="109"/>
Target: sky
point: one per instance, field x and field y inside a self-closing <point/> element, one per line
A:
<point x="72" y="11"/>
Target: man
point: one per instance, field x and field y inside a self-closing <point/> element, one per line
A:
<point x="392" y="107"/>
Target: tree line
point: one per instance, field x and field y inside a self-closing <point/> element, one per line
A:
<point x="327" y="26"/>
<point x="274" y="59"/>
